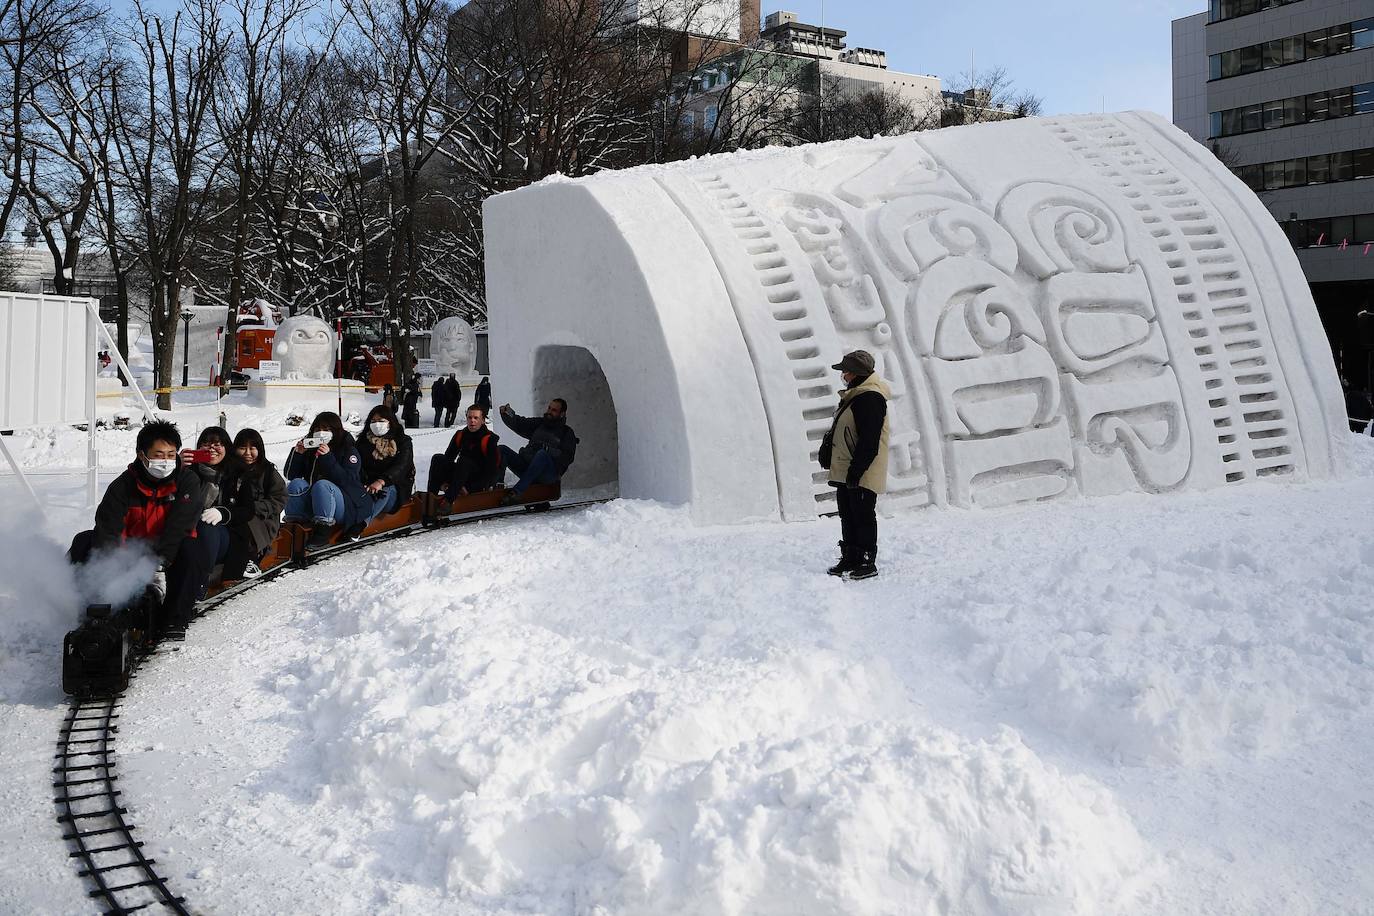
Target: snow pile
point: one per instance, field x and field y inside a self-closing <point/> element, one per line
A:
<point x="535" y="763"/>
<point x="1179" y="654"/>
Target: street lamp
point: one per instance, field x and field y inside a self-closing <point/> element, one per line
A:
<point x="186" y="318"/>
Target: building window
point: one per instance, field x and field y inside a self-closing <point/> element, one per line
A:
<point x="1302" y="109"/>
<point x="1338" y="39"/>
<point x="1323" y="168"/>
<point x="1330" y="231"/>
<point x="708" y="121"/>
<point x="1218" y="10"/>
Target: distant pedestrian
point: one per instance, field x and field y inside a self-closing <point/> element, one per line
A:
<point x="411" y="414"/>
<point x="482" y="396"/>
<point x="389" y="397"/>
<point x="438" y="399"/>
<point x="855" y="452"/>
<point x="453" y="396"/>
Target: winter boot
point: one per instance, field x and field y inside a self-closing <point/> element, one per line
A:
<point x="319" y="535"/>
<point x="866" y="568"/>
<point x="848" y="560"/>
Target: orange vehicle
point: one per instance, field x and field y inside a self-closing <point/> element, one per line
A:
<point x="366" y="355"/>
<point x="255" y="345"/>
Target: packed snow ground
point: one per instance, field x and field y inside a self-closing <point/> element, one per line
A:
<point x="1133" y="705"/>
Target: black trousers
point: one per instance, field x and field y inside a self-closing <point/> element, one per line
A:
<point x="858" y="518"/>
<point x="185" y="576"/>
<point x="455" y="475"/>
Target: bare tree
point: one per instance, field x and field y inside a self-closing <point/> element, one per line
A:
<point x="30" y="32"/>
<point x="166" y="165"/>
<point x="986" y="95"/>
<point x="259" y="91"/>
<point x="840" y="112"/>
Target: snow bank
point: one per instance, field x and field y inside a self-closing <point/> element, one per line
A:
<point x="1063" y="307"/>
<point x="533" y="764"/>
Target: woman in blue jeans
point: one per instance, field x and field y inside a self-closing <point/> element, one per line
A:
<point x="324" y="481"/>
<point x="388" y="462"/>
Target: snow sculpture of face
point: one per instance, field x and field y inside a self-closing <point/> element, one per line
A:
<point x="305" y="346"/>
<point x="454" y="347"/>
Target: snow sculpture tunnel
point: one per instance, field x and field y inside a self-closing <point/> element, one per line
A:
<point x="1062" y="306"/>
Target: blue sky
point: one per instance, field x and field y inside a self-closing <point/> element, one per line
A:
<point x="1071" y="53"/>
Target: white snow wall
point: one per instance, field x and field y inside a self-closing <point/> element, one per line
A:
<point x="1062" y="306"/>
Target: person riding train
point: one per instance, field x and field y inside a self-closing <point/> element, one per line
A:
<point x="549" y="452"/>
<point x="213" y="462"/>
<point x="155" y="500"/>
<point x="253" y="498"/>
<point x="388" y="465"/>
<point x="324" y="481"/>
<point x="472" y="462"/>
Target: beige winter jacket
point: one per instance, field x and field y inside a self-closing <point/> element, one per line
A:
<point x="846" y="438"/>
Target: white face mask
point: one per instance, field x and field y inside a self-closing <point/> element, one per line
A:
<point x="161" y="467"/>
<point x="380" y="428"/>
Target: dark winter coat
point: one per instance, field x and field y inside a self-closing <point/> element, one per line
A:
<point x="545" y="435"/>
<point x="482" y="396"/>
<point x="255" y="498"/>
<point x="162" y="512"/>
<point x="453" y="393"/>
<point x="397" y="470"/>
<point x="412" y="398"/>
<point x="342" y="466"/>
<point x="480" y="448"/>
<point x="438" y="394"/>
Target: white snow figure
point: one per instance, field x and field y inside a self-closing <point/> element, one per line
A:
<point x="453" y="344"/>
<point x="305" y="346"/>
<point x="1062" y="307"/>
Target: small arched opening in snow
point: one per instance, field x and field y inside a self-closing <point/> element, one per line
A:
<point x="573" y="374"/>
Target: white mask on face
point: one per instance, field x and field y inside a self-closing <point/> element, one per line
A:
<point x="380" y="428"/>
<point x="161" y="467"/>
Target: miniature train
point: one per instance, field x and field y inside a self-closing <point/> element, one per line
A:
<point x="99" y="656"/>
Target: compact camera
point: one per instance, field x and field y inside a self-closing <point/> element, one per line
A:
<point x="315" y="440"/>
<point x="197" y="456"/>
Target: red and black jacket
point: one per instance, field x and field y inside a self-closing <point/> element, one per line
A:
<point x="161" y="512"/>
<point x="479" y="448"/>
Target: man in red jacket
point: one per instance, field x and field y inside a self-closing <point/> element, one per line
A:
<point x="156" y="501"/>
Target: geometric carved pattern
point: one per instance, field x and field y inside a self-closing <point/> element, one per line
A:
<point x="1023" y="334"/>
<point x="1062" y="307"/>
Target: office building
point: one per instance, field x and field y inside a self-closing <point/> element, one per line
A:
<point x="1282" y="91"/>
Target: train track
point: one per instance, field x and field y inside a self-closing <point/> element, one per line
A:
<point x="88" y="798"/>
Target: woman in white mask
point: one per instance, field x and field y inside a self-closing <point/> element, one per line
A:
<point x="388" y="461"/>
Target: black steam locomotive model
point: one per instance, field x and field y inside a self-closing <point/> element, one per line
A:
<point x="98" y="656"/>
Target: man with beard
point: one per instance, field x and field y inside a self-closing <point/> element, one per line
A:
<point x="548" y="454"/>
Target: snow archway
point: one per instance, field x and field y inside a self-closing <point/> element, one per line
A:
<point x="1064" y="306"/>
<point x="573" y="374"/>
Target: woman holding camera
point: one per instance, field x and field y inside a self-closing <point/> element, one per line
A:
<point x="324" y="481"/>
<point x="254" y="496"/>
<point x="388" y="463"/>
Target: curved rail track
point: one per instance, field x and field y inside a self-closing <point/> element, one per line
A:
<point x="95" y="824"/>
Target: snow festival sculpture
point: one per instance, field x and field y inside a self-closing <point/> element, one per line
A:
<point x="454" y="347"/>
<point x="305" y="346"/>
<point x="1063" y="307"/>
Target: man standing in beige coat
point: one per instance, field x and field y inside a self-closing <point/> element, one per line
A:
<point x="858" y="463"/>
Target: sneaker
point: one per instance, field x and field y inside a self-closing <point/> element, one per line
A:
<point x="355" y="532"/>
<point x="510" y="498"/>
<point x="251" y="571"/>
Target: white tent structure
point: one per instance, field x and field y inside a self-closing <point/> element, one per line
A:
<point x="1062" y="306"/>
<point x="48" y="370"/>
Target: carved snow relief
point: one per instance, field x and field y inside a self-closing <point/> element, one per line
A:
<point x="1062" y="307"/>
